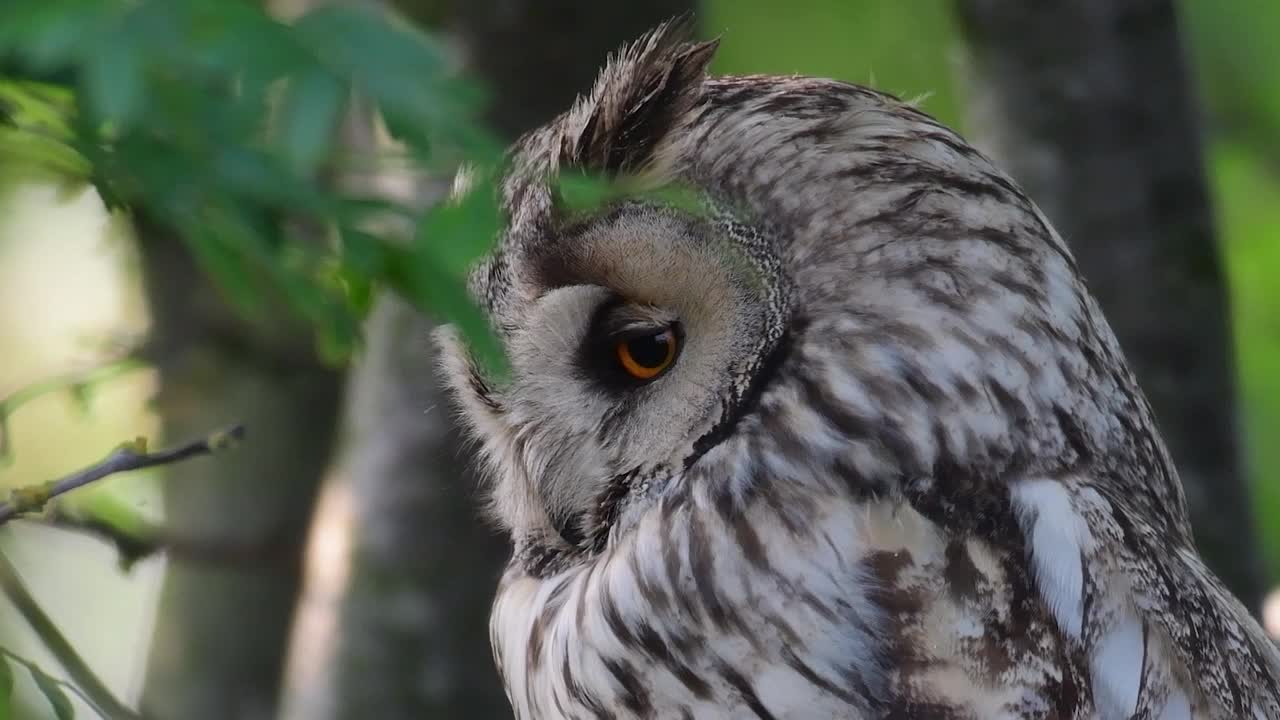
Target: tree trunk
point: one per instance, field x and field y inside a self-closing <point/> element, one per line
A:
<point x="220" y="633"/>
<point x="410" y="634"/>
<point x="537" y="55"/>
<point x="1089" y="104"/>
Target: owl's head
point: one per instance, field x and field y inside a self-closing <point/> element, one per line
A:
<point x="635" y="331"/>
<point x="895" y="301"/>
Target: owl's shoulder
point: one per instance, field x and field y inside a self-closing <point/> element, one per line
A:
<point x="1163" y="638"/>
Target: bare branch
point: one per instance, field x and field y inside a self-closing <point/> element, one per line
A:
<point x="129" y="456"/>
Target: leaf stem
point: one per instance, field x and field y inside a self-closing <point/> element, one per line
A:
<point x="85" y="682"/>
<point x="34" y="668"/>
<point x="78" y="379"/>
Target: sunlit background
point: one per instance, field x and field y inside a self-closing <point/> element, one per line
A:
<point x="69" y="290"/>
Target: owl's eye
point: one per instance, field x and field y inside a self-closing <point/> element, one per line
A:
<point x="645" y="357"/>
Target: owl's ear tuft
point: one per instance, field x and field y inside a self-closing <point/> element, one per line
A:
<point x="637" y="99"/>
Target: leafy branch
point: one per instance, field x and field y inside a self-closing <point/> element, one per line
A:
<point x="218" y="121"/>
<point x="30" y="499"/>
<point x="128" y="456"/>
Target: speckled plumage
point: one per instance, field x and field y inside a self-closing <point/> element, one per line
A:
<point x="900" y="469"/>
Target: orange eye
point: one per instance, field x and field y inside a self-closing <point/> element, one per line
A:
<point x="645" y="357"/>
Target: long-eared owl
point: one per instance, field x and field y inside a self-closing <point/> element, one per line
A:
<point x="831" y="430"/>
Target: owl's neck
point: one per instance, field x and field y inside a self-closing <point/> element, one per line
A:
<point x="946" y="326"/>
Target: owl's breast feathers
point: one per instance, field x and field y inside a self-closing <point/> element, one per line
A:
<point x="789" y="605"/>
<point x="802" y="600"/>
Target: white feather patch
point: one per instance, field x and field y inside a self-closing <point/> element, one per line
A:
<point x="1117" y="665"/>
<point x="1176" y="707"/>
<point x="1058" y="538"/>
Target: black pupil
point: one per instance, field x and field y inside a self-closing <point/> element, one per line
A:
<point x="650" y="351"/>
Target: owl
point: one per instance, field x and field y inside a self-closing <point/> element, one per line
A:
<point x="817" y="419"/>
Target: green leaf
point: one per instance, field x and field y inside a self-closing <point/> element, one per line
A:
<point x="358" y="290"/>
<point x="455" y="234"/>
<point x="363" y="260"/>
<point x="82" y="397"/>
<point x="31" y="149"/>
<point x="403" y="71"/>
<point x="309" y="118"/>
<point x="52" y="691"/>
<point x="6" y="690"/>
<point x="370" y="45"/>
<point x="583" y="193"/>
<point x="426" y="286"/>
<point x="130" y="530"/>
<point x="364" y="252"/>
<point x="113" y="80"/>
<point x="48" y="34"/>
<point x="432" y="273"/>
<point x="6" y="448"/>
<point x="225" y="265"/>
<point x="36" y="105"/>
<point x="250" y="175"/>
<point x="337" y="332"/>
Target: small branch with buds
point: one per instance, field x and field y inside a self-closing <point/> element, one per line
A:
<point x="129" y="456"/>
<point x="34" y="498"/>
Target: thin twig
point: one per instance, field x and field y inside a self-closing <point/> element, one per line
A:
<point x="129" y="456"/>
<point x="75" y="380"/>
<point x="93" y="689"/>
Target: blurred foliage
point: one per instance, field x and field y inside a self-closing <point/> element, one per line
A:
<point x="904" y="48"/>
<point x="1233" y="46"/>
<point x="1248" y="200"/>
<point x="221" y="122"/>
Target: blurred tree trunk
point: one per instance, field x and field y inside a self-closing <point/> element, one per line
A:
<point x="1090" y="105"/>
<point x="411" y="634"/>
<point x="537" y="55"/>
<point x="221" y="633"/>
